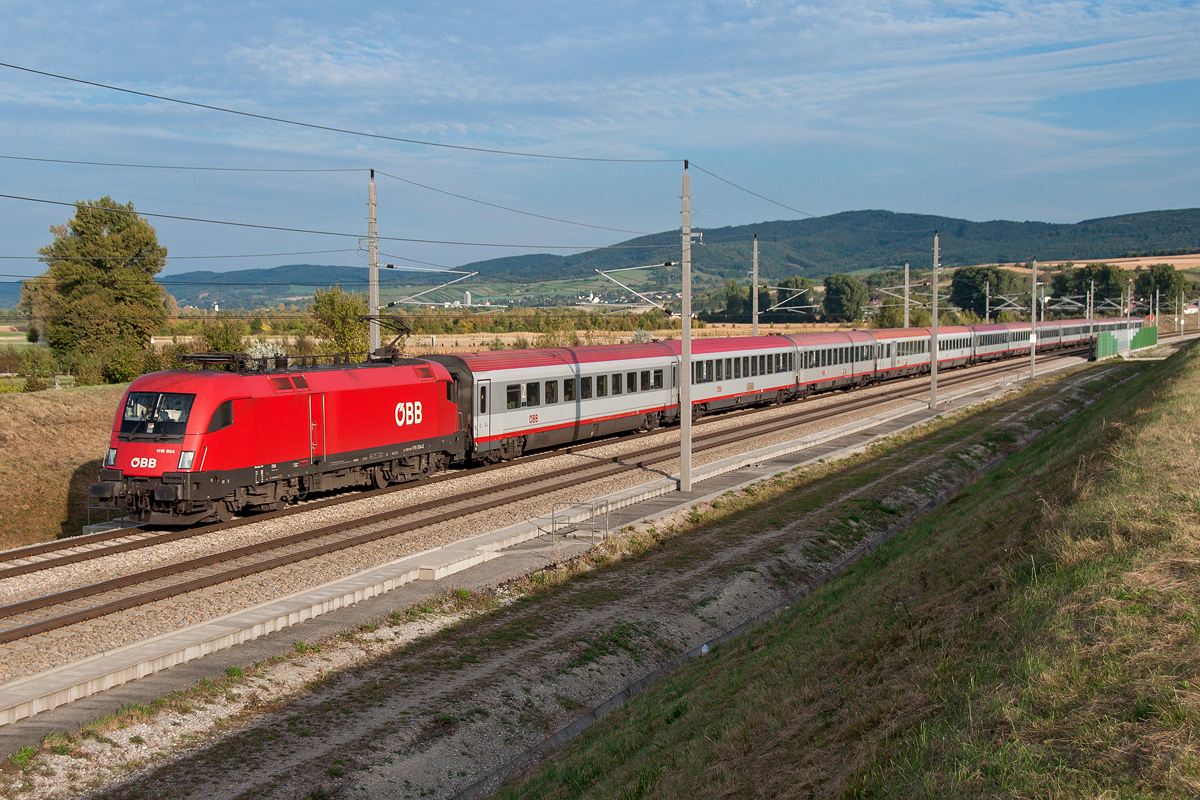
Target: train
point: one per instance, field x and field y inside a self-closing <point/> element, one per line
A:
<point x="199" y="445"/>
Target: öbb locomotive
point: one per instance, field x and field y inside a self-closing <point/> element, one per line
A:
<point x="200" y="445"/>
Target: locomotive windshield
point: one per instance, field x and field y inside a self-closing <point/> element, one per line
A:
<point x="156" y="414"/>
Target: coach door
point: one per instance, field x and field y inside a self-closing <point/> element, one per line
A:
<point x="483" y="409"/>
<point x="316" y="428"/>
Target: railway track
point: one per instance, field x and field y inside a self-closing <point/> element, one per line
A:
<point x="42" y="614"/>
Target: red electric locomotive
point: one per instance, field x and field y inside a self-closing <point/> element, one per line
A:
<point x="193" y="445"/>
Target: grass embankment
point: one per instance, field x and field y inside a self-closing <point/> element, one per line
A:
<point x="51" y="445"/>
<point x="1037" y="636"/>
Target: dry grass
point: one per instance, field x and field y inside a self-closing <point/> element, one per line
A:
<point x="51" y="445"/>
<point x="1035" y="637"/>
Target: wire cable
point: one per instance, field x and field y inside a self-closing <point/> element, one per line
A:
<point x="328" y="233"/>
<point x="513" y="210"/>
<point x="333" y="129"/>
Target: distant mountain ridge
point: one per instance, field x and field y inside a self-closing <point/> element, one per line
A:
<point x="846" y="242"/>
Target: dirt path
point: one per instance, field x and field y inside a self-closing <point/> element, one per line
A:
<point x="387" y="713"/>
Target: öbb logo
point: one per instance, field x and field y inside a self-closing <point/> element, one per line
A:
<point x="143" y="463"/>
<point x="408" y="413"/>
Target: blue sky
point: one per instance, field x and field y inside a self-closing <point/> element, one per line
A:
<point x="1052" y="111"/>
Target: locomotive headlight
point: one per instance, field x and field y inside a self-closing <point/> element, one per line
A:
<point x="186" y="458"/>
<point x="110" y="460"/>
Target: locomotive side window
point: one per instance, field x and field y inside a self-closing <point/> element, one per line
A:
<point x="551" y="392"/>
<point x="513" y="396"/>
<point x="222" y="418"/>
<point x="601" y="386"/>
<point x="569" y="390"/>
<point x="281" y="384"/>
<point x="616" y="384"/>
<point x="301" y="383"/>
<point x="585" y="388"/>
<point x="533" y="393"/>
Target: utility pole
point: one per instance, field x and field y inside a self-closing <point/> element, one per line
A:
<point x="906" y="294"/>
<point x="754" y="287"/>
<point x="685" y="382"/>
<point x="1033" y="326"/>
<point x="987" y="301"/>
<point x="933" y="348"/>
<point x="373" y="264"/>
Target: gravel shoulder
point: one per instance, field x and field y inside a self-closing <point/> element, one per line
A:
<point x="424" y="703"/>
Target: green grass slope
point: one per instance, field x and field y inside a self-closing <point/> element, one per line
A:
<point x="1036" y="636"/>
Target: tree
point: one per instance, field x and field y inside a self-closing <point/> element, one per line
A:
<point x="845" y="295"/>
<point x="1110" y="282"/>
<point x="737" y="298"/>
<point x="1163" y="278"/>
<point x="339" y="315"/>
<point x="99" y="291"/>
<point x="971" y="286"/>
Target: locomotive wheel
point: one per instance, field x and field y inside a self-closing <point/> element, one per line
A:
<point x="222" y="511"/>
<point x="379" y="477"/>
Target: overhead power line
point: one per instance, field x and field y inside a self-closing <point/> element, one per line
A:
<point x="176" y="166"/>
<point x="506" y="208"/>
<point x="331" y="128"/>
<point x="330" y="233"/>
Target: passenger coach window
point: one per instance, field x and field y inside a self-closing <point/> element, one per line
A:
<point x="513" y="396"/>
<point x="601" y="386"/>
<point x="645" y="380"/>
<point x="533" y="393"/>
<point x="737" y="368"/>
<point x="569" y="390"/>
<point x="631" y="382"/>
<point x="482" y="399"/>
<point x="616" y="384"/>
<point x="720" y="370"/>
<point x="551" y="392"/>
<point x="658" y="379"/>
<point x="585" y="388"/>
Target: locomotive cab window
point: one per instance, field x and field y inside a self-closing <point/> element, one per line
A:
<point x="156" y="413"/>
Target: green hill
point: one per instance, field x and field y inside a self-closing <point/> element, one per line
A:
<point x="846" y="242"/>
